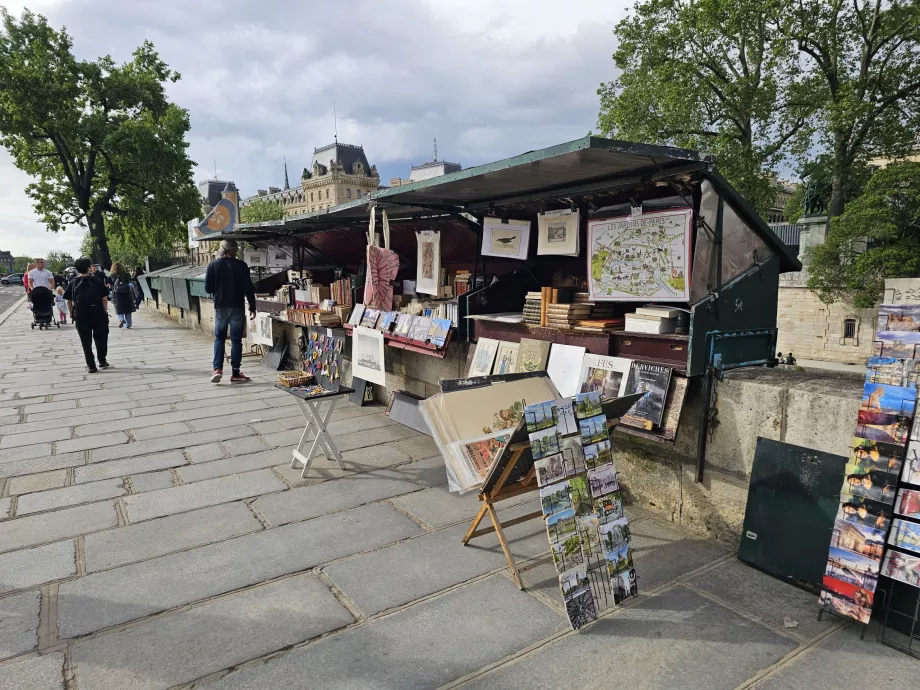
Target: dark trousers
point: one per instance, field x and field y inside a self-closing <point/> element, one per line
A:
<point x="234" y="319"/>
<point x="94" y="327"/>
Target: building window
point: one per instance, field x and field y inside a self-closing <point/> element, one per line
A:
<point x="849" y="328"/>
<point x="348" y="193"/>
<point x="311" y="196"/>
<point x="327" y="193"/>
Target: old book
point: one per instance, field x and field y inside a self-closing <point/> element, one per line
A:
<point x="654" y="380"/>
<point x="654" y="326"/>
<point x="662" y="312"/>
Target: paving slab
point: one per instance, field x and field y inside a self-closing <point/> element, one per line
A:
<point x="38" y="565"/>
<point x="114" y="438"/>
<point x="36" y="673"/>
<point x="34" y="437"/>
<point x="151" y="481"/>
<point x="320" y="471"/>
<point x="128" y="466"/>
<point x="424" y="646"/>
<point x="240" y="418"/>
<point x="26" y="452"/>
<point x="764" y="598"/>
<point x="439" y="507"/>
<point x="18" y="624"/>
<point x="412" y="569"/>
<point x="50" y="406"/>
<point x="70" y="496"/>
<point x="6" y="504"/>
<point x="142" y="412"/>
<point x="344" y="441"/>
<point x="121" y="401"/>
<point x="205" y="452"/>
<point x="845" y="661"/>
<point x="245" y="445"/>
<point x="169" y="443"/>
<point x="146" y="433"/>
<point x="233" y="465"/>
<point x="100" y="600"/>
<point x="120" y="546"/>
<point x="57" y="525"/>
<point x="37" y="482"/>
<point x="15" y="468"/>
<point x="311" y="501"/>
<point x="225" y="632"/>
<point x="662" y="553"/>
<point x="429" y="472"/>
<point x="210" y="492"/>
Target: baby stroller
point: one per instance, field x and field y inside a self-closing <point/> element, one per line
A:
<point x="43" y="308"/>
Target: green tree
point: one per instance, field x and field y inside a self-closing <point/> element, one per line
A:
<point x="20" y="263"/>
<point x="714" y="75"/>
<point x="261" y="210"/>
<point x="101" y="139"/>
<point x="876" y="237"/>
<point x="819" y="174"/>
<point x="57" y="261"/>
<point x="861" y="58"/>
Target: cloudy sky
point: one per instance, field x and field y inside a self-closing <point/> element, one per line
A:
<point x="487" y="78"/>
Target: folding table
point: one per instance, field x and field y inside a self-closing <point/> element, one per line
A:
<point x="317" y="419"/>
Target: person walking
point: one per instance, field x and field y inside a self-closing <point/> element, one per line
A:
<point x="40" y="276"/>
<point x="227" y="278"/>
<point x="122" y="294"/>
<point x="87" y="301"/>
<point x="25" y="279"/>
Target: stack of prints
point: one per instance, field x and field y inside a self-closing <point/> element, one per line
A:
<point x="582" y="504"/>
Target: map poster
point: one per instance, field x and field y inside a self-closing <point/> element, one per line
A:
<point x="645" y="257"/>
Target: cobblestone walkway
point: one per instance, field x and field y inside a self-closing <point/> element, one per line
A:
<point x="152" y="535"/>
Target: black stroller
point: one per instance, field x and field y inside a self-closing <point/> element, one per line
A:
<point x="43" y="308"/>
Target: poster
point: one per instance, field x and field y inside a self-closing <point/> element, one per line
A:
<point x="510" y="240"/>
<point x="646" y="257"/>
<point x="264" y="329"/>
<point x="557" y="233"/>
<point x="654" y="380"/>
<point x="367" y="355"/>
<point x="428" y="274"/>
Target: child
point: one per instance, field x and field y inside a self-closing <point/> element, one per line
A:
<point x="61" y="304"/>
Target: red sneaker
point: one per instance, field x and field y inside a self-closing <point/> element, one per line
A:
<point x="240" y="377"/>
<point x="215" y="377"/>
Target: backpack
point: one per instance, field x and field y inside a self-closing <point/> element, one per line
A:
<point x="122" y="285"/>
<point x="86" y="298"/>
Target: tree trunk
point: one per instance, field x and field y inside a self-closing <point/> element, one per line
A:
<point x="96" y="225"/>
<point x="841" y="177"/>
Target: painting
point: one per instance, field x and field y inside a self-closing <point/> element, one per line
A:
<point x="428" y="274"/>
<point x="264" y="334"/>
<point x="367" y="355"/>
<point x="557" y="233"/>
<point x="486" y="349"/>
<point x="510" y="240"/>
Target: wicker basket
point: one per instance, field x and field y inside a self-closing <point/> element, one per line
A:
<point x="289" y="379"/>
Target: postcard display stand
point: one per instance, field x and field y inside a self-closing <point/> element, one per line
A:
<point x="868" y="540"/>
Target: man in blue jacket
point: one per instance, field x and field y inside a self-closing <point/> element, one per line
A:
<point x="227" y="279"/>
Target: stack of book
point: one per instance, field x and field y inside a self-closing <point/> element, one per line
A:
<point x="566" y="315"/>
<point x="461" y="282"/>
<point x="342" y="312"/>
<point x="341" y="291"/>
<point x="326" y="318"/>
<point x="532" y="308"/>
<point x="318" y="293"/>
<point x="656" y="320"/>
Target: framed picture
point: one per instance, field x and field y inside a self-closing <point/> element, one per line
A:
<point x="264" y="329"/>
<point x="557" y="233"/>
<point x="367" y="355"/>
<point x="509" y="240"/>
<point x="486" y="349"/>
<point x="428" y="274"/>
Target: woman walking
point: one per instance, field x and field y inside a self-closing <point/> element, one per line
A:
<point x="25" y="280"/>
<point x="122" y="294"/>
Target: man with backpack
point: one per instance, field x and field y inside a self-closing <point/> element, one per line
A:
<point x="227" y="278"/>
<point x="88" y="301"/>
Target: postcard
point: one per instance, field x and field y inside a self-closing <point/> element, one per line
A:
<point x="908" y="504"/>
<point x="593" y="429"/>
<point x="609" y="508"/>
<point x="614" y="534"/>
<point x="858" y="538"/>
<point x="619" y="559"/>
<point x="902" y="567"/>
<point x="880" y="399"/>
<point x="573" y="582"/>
<point x="888" y="370"/>
<point x="581" y="610"/>
<point x="567" y="553"/>
<point x="545" y="442"/>
<point x="565" y="417"/>
<point x="894" y="429"/>
<point x="873" y="455"/>
<point x="863" y="511"/>
<point x="899" y="318"/>
<point x="590" y="536"/>
<point x="561" y="525"/>
<point x="588" y="405"/>
<point x="852" y="567"/>
<point x="897" y="344"/>
<point x="911" y="471"/>
<point x="598" y="454"/>
<point x="846" y="599"/>
<point x="603" y="480"/>
<point x="540" y="416"/>
<point x="874" y="485"/>
<point x="486" y="348"/>
<point x="550" y="469"/>
<point x="581" y="495"/>
<point x="606" y="375"/>
<point x="555" y="498"/>
<point x="905" y="535"/>
<point x="624" y="585"/>
<point x="573" y="453"/>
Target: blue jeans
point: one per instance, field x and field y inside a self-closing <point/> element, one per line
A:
<point x="125" y="318"/>
<point x="235" y="319"/>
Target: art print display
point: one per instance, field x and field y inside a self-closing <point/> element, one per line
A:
<point x="356" y="315"/>
<point x="506" y="358"/>
<point x="606" y="375"/>
<point x="264" y="330"/>
<point x="509" y="240"/>
<point x="486" y="349"/>
<point x="564" y="367"/>
<point x="428" y="273"/>
<point x="905" y="535"/>
<point x="902" y="567"/>
<point x="382" y="267"/>
<point x="368" y="355"/>
<point x="558" y="233"/>
<point x="653" y="380"/>
<point x="644" y="257"/>
<point x="533" y="355"/>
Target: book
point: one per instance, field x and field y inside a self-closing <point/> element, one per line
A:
<point x="419" y="328"/>
<point x="403" y="324"/>
<point x="369" y="320"/>
<point x="385" y="322"/>
<point x="356" y="314"/>
<point x="653" y="326"/>
<point x="440" y="328"/>
<point x="653" y="380"/>
<point x="662" y="312"/>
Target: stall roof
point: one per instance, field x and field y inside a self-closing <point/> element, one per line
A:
<point x="179" y="271"/>
<point x="580" y="167"/>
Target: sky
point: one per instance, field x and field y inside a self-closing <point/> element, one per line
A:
<point x="487" y="78"/>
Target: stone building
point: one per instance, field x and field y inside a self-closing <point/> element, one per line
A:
<point x="6" y="261"/>
<point x="339" y="173"/>
<point x="425" y="171"/>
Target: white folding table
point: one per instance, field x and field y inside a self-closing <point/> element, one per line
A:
<point x="317" y="419"/>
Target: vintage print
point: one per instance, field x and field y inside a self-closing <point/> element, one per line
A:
<point x="561" y="526"/>
<point x="593" y="429"/>
<point x="427" y="270"/>
<point x="588" y="405"/>
<point x="481" y="453"/>
<point x="609" y="508"/>
<point x="506" y="359"/>
<point x="598" y="454"/>
<point x="486" y="348"/>
<point x="858" y="538"/>
<point x="905" y="535"/>
<point x="603" y="480"/>
<point x="624" y="585"/>
<point x="852" y="567"/>
<point x="533" y="355"/>
<point x="509" y="240"/>
<point x="911" y="471"/>
<point x="899" y="318"/>
<point x="428" y="261"/>
<point x="550" y="469"/>
<point x="555" y="499"/>
<point x="567" y="553"/>
<point x="368" y="355"/>
<point x="581" y="610"/>
<point x="846" y="599"/>
<point x="557" y="233"/>
<point x="902" y="567"/>
<point x="540" y="416"/>
<point x="908" y="504"/>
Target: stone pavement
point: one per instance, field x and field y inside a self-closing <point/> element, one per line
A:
<point x="152" y="535"/>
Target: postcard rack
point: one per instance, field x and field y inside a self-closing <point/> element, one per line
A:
<point x="913" y="620"/>
<point x="423" y="348"/>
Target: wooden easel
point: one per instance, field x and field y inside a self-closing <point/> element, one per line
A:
<point x="501" y="492"/>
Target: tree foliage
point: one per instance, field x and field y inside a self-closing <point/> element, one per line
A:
<point x="56" y="261"/>
<point x="876" y="237"/>
<point x="819" y="177"/>
<point x="261" y="210"/>
<point x="20" y="263"/>
<point x="101" y="139"/>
